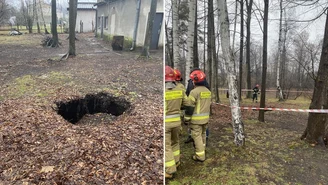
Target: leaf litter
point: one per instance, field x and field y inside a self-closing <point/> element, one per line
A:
<point x="38" y="146"/>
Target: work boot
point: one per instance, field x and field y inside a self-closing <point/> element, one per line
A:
<point x="189" y="139"/>
<point x="194" y="157"/>
<point x="178" y="164"/>
<point x="168" y="176"/>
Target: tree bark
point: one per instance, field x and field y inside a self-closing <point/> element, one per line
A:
<point x="265" y="55"/>
<point x="54" y="24"/>
<point x="44" y="22"/>
<point x="169" y="60"/>
<point x="195" y="44"/>
<point x="209" y="65"/>
<point x="248" y="46"/>
<point x="175" y="26"/>
<point x="72" y="24"/>
<point x="241" y="51"/>
<point x="215" y="61"/>
<point x="238" y="126"/>
<point x="234" y="30"/>
<point x="280" y="55"/>
<point x="315" y="130"/>
<point x="190" y="39"/>
<point x="36" y="15"/>
<point x="151" y="18"/>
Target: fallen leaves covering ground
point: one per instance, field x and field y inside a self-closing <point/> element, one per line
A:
<point x="38" y="146"/>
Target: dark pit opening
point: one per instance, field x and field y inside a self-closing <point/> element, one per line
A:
<point x="74" y="110"/>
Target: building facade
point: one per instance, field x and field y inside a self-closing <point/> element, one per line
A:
<point x="86" y="17"/>
<point x="129" y="18"/>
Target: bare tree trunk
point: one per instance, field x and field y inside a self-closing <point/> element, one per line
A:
<point x="280" y="54"/>
<point x="241" y="51"/>
<point x="195" y="47"/>
<point x="44" y="22"/>
<point x="169" y="60"/>
<point x="315" y="130"/>
<point x="234" y="30"/>
<point x="248" y="46"/>
<point x="55" y="42"/>
<point x="72" y="24"/>
<point x="175" y="26"/>
<point x="211" y="31"/>
<point x="238" y="126"/>
<point x="265" y="55"/>
<point x="36" y="15"/>
<point x="151" y="18"/>
<point x="190" y="39"/>
<point x="204" y="35"/>
<point x="209" y="63"/>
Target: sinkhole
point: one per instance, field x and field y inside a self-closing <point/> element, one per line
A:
<point x="74" y="110"/>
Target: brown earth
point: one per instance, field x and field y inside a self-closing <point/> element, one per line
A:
<point x="38" y="146"/>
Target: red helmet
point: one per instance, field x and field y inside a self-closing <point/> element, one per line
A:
<point x="169" y="74"/>
<point x="177" y="75"/>
<point x="197" y="76"/>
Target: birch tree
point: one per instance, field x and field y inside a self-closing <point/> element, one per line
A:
<point x="190" y="38"/>
<point x="238" y="126"/>
<point x="241" y="51"/>
<point x="280" y="54"/>
<point x="175" y="21"/>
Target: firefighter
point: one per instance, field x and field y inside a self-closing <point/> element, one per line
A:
<point x="191" y="86"/>
<point x="178" y="79"/>
<point x="178" y="82"/>
<point x="198" y="113"/>
<point x="174" y="100"/>
<point x="255" y="92"/>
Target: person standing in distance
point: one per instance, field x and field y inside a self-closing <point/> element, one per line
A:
<point x="255" y="92"/>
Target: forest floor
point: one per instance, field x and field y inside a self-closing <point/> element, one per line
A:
<point x="273" y="154"/>
<point x="38" y="146"/>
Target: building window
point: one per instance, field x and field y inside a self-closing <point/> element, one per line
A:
<point x="106" y="23"/>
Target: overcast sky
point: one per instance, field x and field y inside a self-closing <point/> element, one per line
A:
<point x="302" y="13"/>
<point x="314" y="28"/>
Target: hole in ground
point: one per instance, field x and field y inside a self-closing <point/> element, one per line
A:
<point x="74" y="110"/>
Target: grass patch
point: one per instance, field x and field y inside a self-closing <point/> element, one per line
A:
<point x="269" y="154"/>
<point x="40" y="86"/>
<point x="18" y="40"/>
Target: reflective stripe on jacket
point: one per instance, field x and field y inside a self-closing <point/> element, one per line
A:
<point x="200" y="98"/>
<point x="174" y="99"/>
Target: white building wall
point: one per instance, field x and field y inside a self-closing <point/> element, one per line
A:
<point x="121" y="19"/>
<point x="87" y="17"/>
